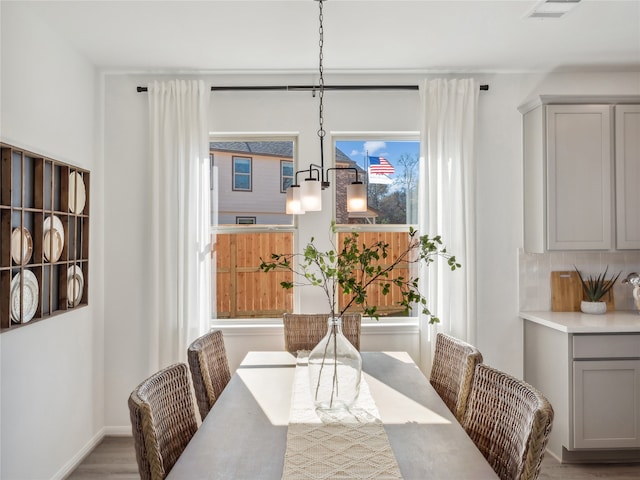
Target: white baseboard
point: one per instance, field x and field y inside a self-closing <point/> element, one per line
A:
<point x="76" y="460"/>
<point x="118" y="431"/>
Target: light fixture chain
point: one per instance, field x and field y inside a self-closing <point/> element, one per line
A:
<point x="321" y="132"/>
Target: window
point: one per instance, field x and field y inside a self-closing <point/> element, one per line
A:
<point x="389" y="167"/>
<point x="251" y="224"/>
<point x="390" y="170"/>
<point x="286" y="175"/>
<point x="242" y="173"/>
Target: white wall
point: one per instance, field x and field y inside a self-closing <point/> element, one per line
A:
<point x="499" y="198"/>
<point x="51" y="373"/>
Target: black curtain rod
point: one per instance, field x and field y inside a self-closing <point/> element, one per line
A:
<point x="296" y="88"/>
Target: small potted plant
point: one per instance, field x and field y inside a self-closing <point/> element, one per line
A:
<point x="595" y="288"/>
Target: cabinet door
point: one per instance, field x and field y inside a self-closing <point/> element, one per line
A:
<point x="605" y="404"/>
<point x="579" y="166"/>
<point x="628" y="177"/>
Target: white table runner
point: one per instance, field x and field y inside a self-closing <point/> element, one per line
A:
<point x="341" y="445"/>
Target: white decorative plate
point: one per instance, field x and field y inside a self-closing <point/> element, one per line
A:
<point x="21" y="238"/>
<point x="53" y="241"/>
<point x="29" y="296"/>
<point x="77" y="193"/>
<point x="75" y="285"/>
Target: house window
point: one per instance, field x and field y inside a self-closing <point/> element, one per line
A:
<point x="286" y="175"/>
<point x="242" y="174"/>
<point x="251" y="224"/>
<point x="390" y="168"/>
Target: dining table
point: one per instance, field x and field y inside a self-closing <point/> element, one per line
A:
<point x="244" y="435"/>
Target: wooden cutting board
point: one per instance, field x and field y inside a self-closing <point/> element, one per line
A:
<point x="566" y="292"/>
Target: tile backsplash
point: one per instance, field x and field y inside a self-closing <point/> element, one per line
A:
<point x="534" y="271"/>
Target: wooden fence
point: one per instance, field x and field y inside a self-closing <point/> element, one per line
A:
<point x="243" y="291"/>
<point x="387" y="304"/>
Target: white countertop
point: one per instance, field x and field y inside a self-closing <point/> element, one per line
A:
<point x="578" y="322"/>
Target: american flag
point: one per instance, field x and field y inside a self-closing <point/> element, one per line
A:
<point x="380" y="165"/>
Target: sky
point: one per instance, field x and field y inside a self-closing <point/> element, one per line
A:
<point x="391" y="150"/>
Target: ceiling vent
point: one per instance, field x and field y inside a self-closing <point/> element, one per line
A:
<point x="552" y="8"/>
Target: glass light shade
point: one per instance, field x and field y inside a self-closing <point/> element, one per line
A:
<point x="293" y="205"/>
<point x="357" y="197"/>
<point x="311" y="195"/>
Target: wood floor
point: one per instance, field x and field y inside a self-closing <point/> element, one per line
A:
<point x="114" y="458"/>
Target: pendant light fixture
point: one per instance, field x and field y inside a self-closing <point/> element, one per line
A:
<point x="307" y="196"/>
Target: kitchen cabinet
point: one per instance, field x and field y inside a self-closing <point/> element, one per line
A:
<point x="627" y="164"/>
<point x="572" y="200"/>
<point x="605" y="410"/>
<point x="588" y="366"/>
<point x="578" y="177"/>
<point x="606" y="389"/>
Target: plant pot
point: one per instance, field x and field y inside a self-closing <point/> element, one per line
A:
<point x="595" y="308"/>
<point x="335" y="369"/>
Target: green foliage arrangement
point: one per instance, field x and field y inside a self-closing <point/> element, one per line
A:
<point x="354" y="268"/>
<point x="596" y="287"/>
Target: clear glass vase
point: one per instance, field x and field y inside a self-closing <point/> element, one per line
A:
<point x="335" y="368"/>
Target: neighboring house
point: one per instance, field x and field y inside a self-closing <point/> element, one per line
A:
<point x="251" y="179"/>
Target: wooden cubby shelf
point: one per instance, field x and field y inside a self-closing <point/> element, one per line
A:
<point x="44" y="237"/>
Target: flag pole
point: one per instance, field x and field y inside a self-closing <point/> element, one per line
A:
<point x="366" y="163"/>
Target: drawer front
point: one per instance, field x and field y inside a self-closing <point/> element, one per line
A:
<point x="606" y="346"/>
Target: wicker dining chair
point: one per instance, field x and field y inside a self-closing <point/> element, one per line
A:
<point x="303" y="331"/>
<point x="209" y="369"/>
<point x="509" y="421"/>
<point x="454" y="364"/>
<point x="163" y="420"/>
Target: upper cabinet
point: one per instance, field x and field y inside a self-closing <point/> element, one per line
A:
<point x="578" y="177"/>
<point x="627" y="176"/>
<point x="581" y="174"/>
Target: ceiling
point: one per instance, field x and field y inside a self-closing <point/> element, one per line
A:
<point x="360" y="36"/>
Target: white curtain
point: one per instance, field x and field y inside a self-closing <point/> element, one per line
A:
<point x="179" y="243"/>
<point x="448" y="171"/>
